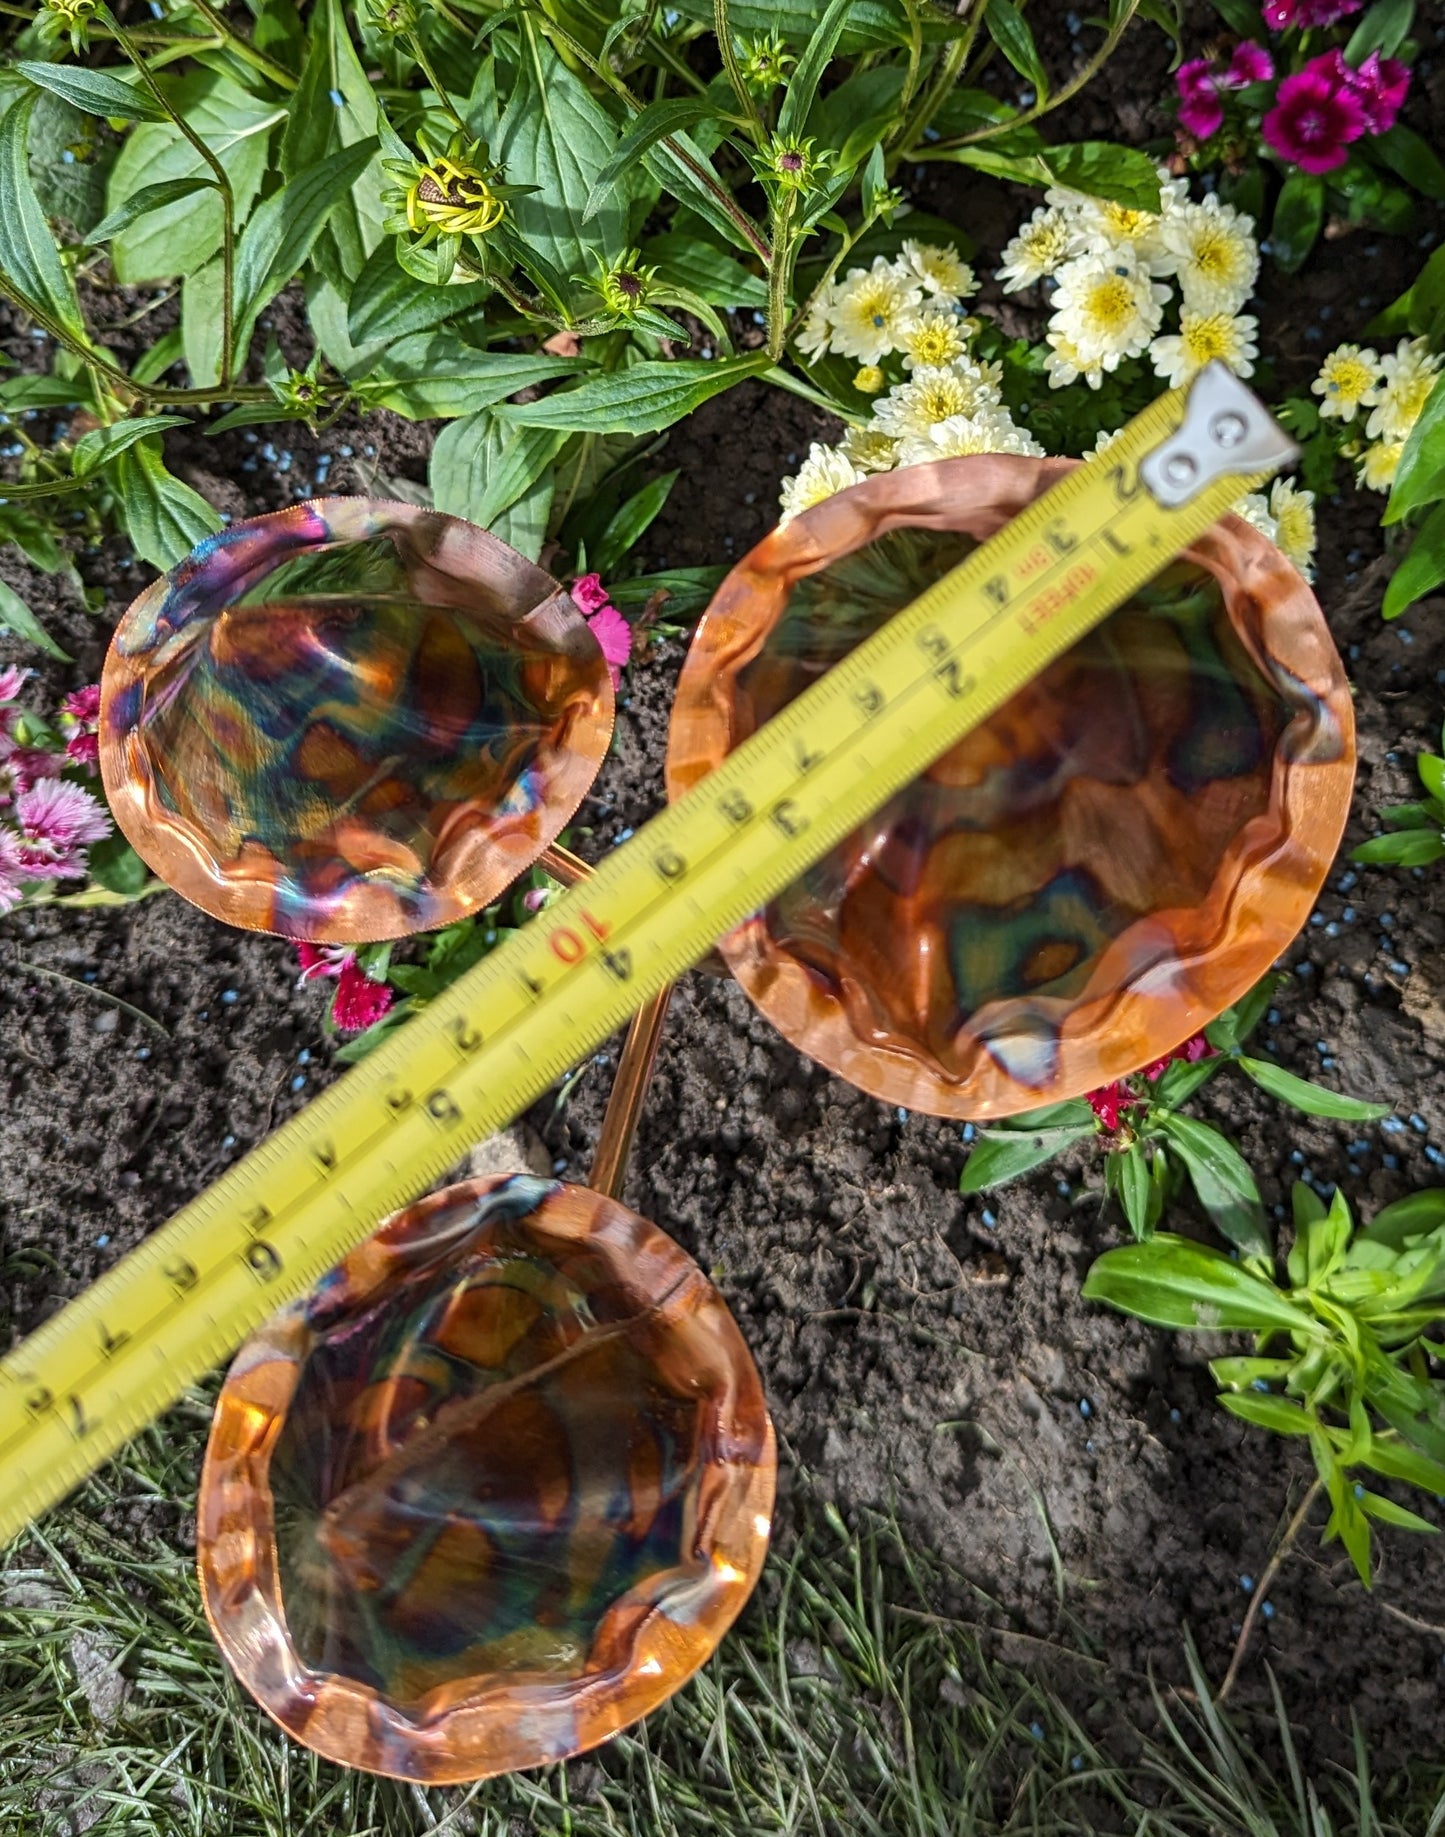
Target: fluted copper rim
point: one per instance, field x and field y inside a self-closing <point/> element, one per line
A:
<point x="474" y="1728"/>
<point x="243" y="892"/>
<point x="1260" y="897"/>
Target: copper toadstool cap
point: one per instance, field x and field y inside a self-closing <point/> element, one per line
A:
<point x="350" y="720"/>
<point x="492" y="1491"/>
<point x="1096" y="871"/>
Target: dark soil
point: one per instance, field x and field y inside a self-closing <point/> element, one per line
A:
<point x="925" y="1354"/>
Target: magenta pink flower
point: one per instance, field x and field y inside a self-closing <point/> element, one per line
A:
<point x="1313" y="119"/>
<point x="1251" y="63"/>
<point x="588" y="593"/>
<point x="1201" y="113"/>
<point x="12" y="681"/>
<point x="57" y="820"/>
<point x="1110" y="1102"/>
<point x="1301" y="15"/>
<point x="11" y="872"/>
<point x="614" y="634"/>
<point x="24" y="766"/>
<point x="358" y="1002"/>
<point x="1379" y="85"/>
<point x="80" y="716"/>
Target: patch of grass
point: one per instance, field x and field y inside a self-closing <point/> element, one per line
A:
<point x="842" y="1707"/>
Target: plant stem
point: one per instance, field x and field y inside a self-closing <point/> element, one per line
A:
<point x="778" y="274"/>
<point x="915" y="53"/>
<point x="414" y="40"/>
<point x="223" y="181"/>
<point x="722" y="30"/>
<point x="946" y="77"/>
<point x="1042" y="107"/>
<point x="1262" y="1587"/>
<point x="244" y="49"/>
<point x="90" y="988"/>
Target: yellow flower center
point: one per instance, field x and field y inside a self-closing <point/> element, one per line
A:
<point x="1110" y="305"/>
<point x="1349" y="378"/>
<point x="1296" y="529"/>
<point x="1215" y="255"/>
<point x="1206" y="339"/>
<point x="1409" y="396"/>
<point x="1127" y="223"/>
<point x="935" y="345"/>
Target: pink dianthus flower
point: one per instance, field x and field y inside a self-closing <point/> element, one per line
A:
<point x="588" y="593"/>
<point x="80" y="715"/>
<point x="57" y="820"/>
<point x="614" y="634"/>
<point x="1251" y="63"/>
<point x="1314" y="118"/>
<point x="358" y="1002"/>
<point x="1301" y="15"/>
<point x="1201" y="113"/>
<point x="1379" y="85"/>
<point x="24" y="766"/>
<point x="11" y="872"/>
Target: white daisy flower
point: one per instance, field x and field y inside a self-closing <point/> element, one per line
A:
<point x="1379" y="464"/>
<point x="990" y="431"/>
<point x="934" y="338"/>
<point x="1040" y="248"/>
<point x="823" y="472"/>
<point x="1349" y="380"/>
<point x="1409" y="373"/>
<point x="1201" y="338"/>
<point x="1104" y="439"/>
<point x="870" y="310"/>
<point x="930" y="396"/>
<point x="943" y="272"/>
<point x="1211" y="248"/>
<point x="1065" y="362"/>
<point x="1103" y="226"/>
<point x="1293" y="511"/>
<point x="1254" y="509"/>
<point x="1105" y="309"/>
<point x="816" y="331"/>
<point x="870" y="449"/>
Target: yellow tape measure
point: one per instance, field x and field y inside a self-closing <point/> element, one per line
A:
<point x="112" y="1360"/>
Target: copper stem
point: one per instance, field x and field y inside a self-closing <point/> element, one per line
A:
<point x="629" y="1090"/>
<point x="634" y="1068"/>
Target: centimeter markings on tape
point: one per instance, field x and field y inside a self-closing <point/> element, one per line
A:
<point x="115" y="1358"/>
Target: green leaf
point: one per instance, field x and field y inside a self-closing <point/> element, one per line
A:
<point x="523" y="525"/>
<point x="202" y="293"/>
<point x="1375" y="1506"/>
<point x="1174" y="1282"/>
<point x="387" y="303"/>
<point x="1422" y="570"/>
<point x="1005" y="1154"/>
<point x="102" y="444"/>
<point x="237" y="127"/>
<point x="95" y="92"/>
<point x="1135" y="1187"/>
<point x="1414" y="159"/>
<point x="691" y="262"/>
<point x="630" y="523"/>
<point x="1382" y="29"/>
<point x="1275" y="1413"/>
<point x="1416" y="1215"/>
<point x="654" y="123"/>
<point x="317" y="125"/>
<point x="28" y="255"/>
<point x="1406" y="848"/>
<point x="22" y="392"/>
<point x="1234" y="1026"/>
<point x="479" y="469"/>
<point x="642" y="400"/>
<point x="1312" y="1099"/>
<point x="16" y="617"/>
<point x="116" y="866"/>
<point x="688" y="590"/>
<point x="1420" y="479"/>
<point x="1178" y="1082"/>
<point x="434" y="374"/>
<point x="1240" y="16"/>
<point x="1010" y="31"/>
<point x="1223" y="1181"/>
<point x="1299" y="216"/>
<point x="804" y="81"/>
<point x="1397" y="1462"/>
<point x="283" y="231"/>
<point x="1103" y="170"/>
<point x="554" y="136"/>
<point x="871" y="25"/>
<point x="164" y="518"/>
<point x="147" y="199"/>
<point x="1421" y="308"/>
<point x="676" y="163"/>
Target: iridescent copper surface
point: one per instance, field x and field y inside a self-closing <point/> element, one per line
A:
<point x="492" y="1491"/>
<point x="1091" y="875"/>
<point x="350" y="720"/>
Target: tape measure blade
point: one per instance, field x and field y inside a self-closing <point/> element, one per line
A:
<point x="469" y="1062"/>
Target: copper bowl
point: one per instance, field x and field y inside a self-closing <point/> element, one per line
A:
<point x="1103" y="866"/>
<point x="350" y="720"/>
<point x="491" y="1491"/>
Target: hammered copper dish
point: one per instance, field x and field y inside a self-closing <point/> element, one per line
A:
<point x="1103" y="866"/>
<point x="492" y="1491"/>
<point x="350" y="720"/>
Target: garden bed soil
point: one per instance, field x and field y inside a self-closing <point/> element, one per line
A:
<point x="926" y="1355"/>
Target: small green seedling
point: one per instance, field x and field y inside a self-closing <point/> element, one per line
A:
<point x="1415" y="833"/>
<point x="1151" y="1146"/>
<point x="1343" y="1349"/>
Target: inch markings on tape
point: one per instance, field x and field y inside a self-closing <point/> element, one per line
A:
<point x="120" y="1354"/>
